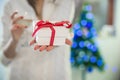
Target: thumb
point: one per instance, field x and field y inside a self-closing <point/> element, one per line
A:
<point x="69" y="42"/>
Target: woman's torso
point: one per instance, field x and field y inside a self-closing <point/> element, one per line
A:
<point x="35" y="65"/>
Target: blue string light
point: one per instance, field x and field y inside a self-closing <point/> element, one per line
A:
<point x="89" y="45"/>
<point x="81" y="44"/>
<point x="83" y="22"/>
<point x="93" y="48"/>
<point x="85" y="58"/>
<point x="76" y="26"/>
<point x="99" y="62"/>
<point x="88" y="8"/>
<point x="89" y="15"/>
<point x="88" y="35"/>
<point x="79" y="33"/>
<point x="89" y="25"/>
<point x="89" y="69"/>
<point x="94" y="32"/>
<point x="74" y="45"/>
<point x="75" y="37"/>
<point x="93" y="59"/>
<point x="72" y="60"/>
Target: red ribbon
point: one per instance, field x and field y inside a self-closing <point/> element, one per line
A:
<point x="46" y="24"/>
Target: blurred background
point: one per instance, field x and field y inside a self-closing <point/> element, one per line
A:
<point x="104" y="19"/>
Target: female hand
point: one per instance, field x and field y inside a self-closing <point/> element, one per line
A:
<point x="17" y="29"/>
<point x="45" y="47"/>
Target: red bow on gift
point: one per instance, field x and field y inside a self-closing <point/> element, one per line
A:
<point x="45" y="24"/>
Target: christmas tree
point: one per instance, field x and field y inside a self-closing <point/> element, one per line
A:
<point x="84" y="51"/>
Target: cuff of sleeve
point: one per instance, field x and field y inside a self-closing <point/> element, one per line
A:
<point x="5" y="61"/>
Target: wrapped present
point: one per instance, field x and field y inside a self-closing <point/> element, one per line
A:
<point x="48" y="33"/>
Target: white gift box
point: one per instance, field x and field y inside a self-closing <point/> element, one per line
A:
<point x="43" y="35"/>
<point x="25" y="22"/>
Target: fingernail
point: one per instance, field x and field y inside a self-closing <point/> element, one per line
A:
<point x="21" y="17"/>
<point x="40" y="50"/>
<point x="34" y="48"/>
<point x="30" y="44"/>
<point x="17" y="27"/>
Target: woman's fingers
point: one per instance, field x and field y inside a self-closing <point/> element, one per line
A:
<point x="42" y="48"/>
<point x="13" y="15"/>
<point x="67" y="41"/>
<point x="15" y="20"/>
<point x="22" y="26"/>
<point x="49" y="48"/>
<point x="36" y="47"/>
<point x="15" y="27"/>
<point x="32" y="42"/>
<point x="18" y="27"/>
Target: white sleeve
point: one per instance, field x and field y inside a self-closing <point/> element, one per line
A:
<point x="6" y="23"/>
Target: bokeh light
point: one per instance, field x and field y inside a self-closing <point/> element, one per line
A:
<point x="93" y="59"/>
<point x="99" y="62"/>
<point x="88" y="8"/>
<point x="83" y="22"/>
<point x="76" y="26"/>
<point x="81" y="44"/>
<point x="89" y="15"/>
<point x="89" y="69"/>
<point x="74" y="45"/>
<point x="79" y="33"/>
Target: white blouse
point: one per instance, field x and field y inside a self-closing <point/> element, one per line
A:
<point x="34" y="65"/>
